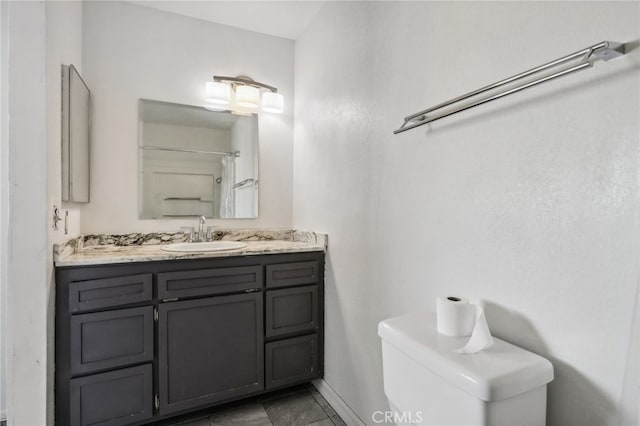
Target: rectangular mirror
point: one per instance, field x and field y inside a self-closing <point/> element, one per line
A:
<point x="75" y="136"/>
<point x="194" y="161"/>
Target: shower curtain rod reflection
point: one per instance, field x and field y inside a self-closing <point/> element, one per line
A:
<point x="604" y="50"/>
<point x="193" y="151"/>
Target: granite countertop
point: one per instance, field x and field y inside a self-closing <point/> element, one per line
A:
<point x="125" y="248"/>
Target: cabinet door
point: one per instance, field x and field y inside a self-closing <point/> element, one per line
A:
<point x="115" y="398"/>
<point x="104" y="340"/>
<point x="209" y="350"/>
<point x="292" y="310"/>
<point x="291" y="361"/>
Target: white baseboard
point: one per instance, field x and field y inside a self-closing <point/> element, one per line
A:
<point x="338" y="404"/>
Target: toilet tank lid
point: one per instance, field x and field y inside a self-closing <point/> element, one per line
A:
<point x="499" y="372"/>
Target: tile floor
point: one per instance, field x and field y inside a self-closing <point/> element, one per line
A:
<point x="298" y="406"/>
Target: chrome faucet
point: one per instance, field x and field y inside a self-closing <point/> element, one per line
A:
<point x="203" y="233"/>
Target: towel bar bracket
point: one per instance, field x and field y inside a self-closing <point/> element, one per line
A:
<point x="610" y="51"/>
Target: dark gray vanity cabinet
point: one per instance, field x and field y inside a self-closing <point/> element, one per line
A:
<point x="141" y="342"/>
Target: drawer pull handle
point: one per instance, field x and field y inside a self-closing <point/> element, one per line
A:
<point x="252" y="290"/>
<point x="171" y="299"/>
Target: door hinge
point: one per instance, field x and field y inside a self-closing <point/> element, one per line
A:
<point x="155" y="314"/>
<point x="156" y="402"/>
<point x="171" y="299"/>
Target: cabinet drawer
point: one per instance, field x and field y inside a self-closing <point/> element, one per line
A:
<point x="289" y="274"/>
<point x="115" y="398"/>
<point x="107" y="292"/>
<point x="208" y="281"/>
<point x="111" y="339"/>
<point x="291" y="360"/>
<point x="291" y="310"/>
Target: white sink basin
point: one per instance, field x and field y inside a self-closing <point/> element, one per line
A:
<point x="204" y="246"/>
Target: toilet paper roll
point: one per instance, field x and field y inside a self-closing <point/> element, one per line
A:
<point x="480" y="336"/>
<point x="457" y="317"/>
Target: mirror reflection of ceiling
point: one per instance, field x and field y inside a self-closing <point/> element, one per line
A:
<point x="186" y="115"/>
<point x="287" y="19"/>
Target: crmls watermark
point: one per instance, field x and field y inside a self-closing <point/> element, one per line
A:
<point x="397" y="417"/>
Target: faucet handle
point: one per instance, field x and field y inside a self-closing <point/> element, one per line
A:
<point x="210" y="232"/>
<point x="188" y="230"/>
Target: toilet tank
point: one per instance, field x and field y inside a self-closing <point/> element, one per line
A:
<point x="429" y="384"/>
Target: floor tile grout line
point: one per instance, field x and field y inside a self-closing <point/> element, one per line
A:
<point x="267" y="411"/>
<point x="321" y="405"/>
<point x="329" y="415"/>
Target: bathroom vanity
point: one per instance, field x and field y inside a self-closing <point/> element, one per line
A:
<point x="139" y="339"/>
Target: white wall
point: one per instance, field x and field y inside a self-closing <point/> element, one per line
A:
<point x="4" y="197"/>
<point x="27" y="245"/>
<point x="629" y="413"/>
<point x="63" y="46"/>
<point x="132" y="52"/>
<point x="529" y="204"/>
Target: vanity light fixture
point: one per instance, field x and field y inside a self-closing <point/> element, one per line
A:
<point x="218" y="93"/>
<point x="272" y="102"/>
<point x="247" y="94"/>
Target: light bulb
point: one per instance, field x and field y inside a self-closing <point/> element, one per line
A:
<point x="273" y="102"/>
<point x="218" y="93"/>
<point x="247" y="96"/>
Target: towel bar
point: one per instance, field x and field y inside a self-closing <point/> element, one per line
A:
<point x="604" y="50"/>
